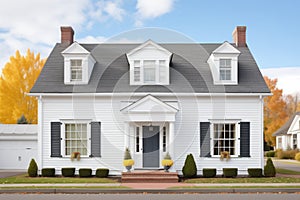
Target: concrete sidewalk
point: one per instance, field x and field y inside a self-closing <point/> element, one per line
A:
<point x="153" y="185"/>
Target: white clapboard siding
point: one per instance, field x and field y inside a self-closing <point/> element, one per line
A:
<point x="192" y="111"/>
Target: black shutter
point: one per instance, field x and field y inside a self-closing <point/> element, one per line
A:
<point x="95" y="139"/>
<point x="55" y="139"/>
<point x="245" y="139"/>
<point x="205" y="139"/>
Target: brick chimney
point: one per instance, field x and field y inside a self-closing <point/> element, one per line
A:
<point x="239" y="36"/>
<point x="67" y="35"/>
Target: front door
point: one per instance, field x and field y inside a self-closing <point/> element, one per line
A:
<point x="151" y="146"/>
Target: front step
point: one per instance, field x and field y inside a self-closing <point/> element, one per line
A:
<point x="149" y="177"/>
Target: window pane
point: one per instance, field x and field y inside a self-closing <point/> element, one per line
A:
<point x="149" y="71"/>
<point x="137" y="71"/>
<point x="137" y="139"/>
<point x="224" y="138"/>
<point x="76" y="138"/>
<point x="76" y="70"/>
<point x="225" y="69"/>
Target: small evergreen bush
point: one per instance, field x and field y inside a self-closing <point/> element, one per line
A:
<point x="32" y="169"/>
<point x="48" y="172"/>
<point x="270" y="154"/>
<point x="102" y="173"/>
<point x="230" y="172"/>
<point x="297" y="157"/>
<point x="255" y="172"/>
<point x="209" y="172"/>
<point x="85" y="172"/>
<point x="269" y="169"/>
<point x="68" y="172"/>
<point x="189" y="169"/>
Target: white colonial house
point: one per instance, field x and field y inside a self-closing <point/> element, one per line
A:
<point x="181" y="98"/>
<point x="288" y="136"/>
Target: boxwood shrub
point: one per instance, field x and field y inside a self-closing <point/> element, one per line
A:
<point x="270" y="154"/>
<point x="68" y="172"/>
<point x="102" y="172"/>
<point x="48" y="172"/>
<point x="85" y="172"/>
<point x="255" y="172"/>
<point x="230" y="172"/>
<point x="209" y="172"/>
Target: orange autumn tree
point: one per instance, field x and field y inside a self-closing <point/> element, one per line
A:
<point x="18" y="77"/>
<point x="275" y="114"/>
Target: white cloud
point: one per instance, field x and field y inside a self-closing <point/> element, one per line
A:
<point x="288" y="78"/>
<point x="35" y="24"/>
<point x="149" y="9"/>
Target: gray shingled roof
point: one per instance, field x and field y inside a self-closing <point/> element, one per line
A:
<point x="189" y="71"/>
<point x="284" y="129"/>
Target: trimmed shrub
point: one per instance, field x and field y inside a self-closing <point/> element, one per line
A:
<point x="297" y="157"/>
<point x="68" y="172"/>
<point x="270" y="154"/>
<point x="209" y="172"/>
<point x="102" y="173"/>
<point x="230" y="172"/>
<point x="85" y="172"/>
<point x="255" y="172"/>
<point x="269" y="169"/>
<point x="48" y="172"/>
<point x="288" y="154"/>
<point x="189" y="169"/>
<point x="32" y="169"/>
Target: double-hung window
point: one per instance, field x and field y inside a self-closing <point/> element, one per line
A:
<point x="76" y="70"/>
<point x="294" y="141"/>
<point x="76" y="138"/>
<point x="224" y="138"/>
<point x="225" y="69"/>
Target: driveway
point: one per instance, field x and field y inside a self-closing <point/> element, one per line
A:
<point x="287" y="164"/>
<point x="8" y="173"/>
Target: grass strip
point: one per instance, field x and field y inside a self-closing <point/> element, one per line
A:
<point x="244" y="180"/>
<point x="287" y="171"/>
<point x="25" y="179"/>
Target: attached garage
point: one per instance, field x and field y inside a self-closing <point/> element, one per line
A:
<point x="18" y="145"/>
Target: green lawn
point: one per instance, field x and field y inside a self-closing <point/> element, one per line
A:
<point x="25" y="179"/>
<point x="244" y="180"/>
<point x="287" y="171"/>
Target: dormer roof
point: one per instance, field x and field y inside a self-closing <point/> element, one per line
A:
<point x="226" y="48"/>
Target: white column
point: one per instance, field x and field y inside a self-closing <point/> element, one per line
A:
<point x="126" y="135"/>
<point x="171" y="140"/>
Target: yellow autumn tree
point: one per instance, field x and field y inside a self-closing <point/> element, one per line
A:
<point x="18" y="77"/>
<point x="275" y="114"/>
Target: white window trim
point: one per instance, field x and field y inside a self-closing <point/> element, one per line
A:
<point x="157" y="75"/>
<point x="63" y="136"/>
<point x="237" y="139"/>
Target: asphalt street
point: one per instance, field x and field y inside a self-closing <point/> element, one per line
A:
<point x="287" y="164"/>
<point x="148" y="196"/>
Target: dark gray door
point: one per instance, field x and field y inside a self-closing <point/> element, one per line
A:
<point x="151" y="146"/>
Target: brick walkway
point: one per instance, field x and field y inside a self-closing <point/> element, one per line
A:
<point x="155" y="185"/>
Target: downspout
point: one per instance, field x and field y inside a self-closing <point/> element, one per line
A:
<point x="40" y="133"/>
<point x="262" y="131"/>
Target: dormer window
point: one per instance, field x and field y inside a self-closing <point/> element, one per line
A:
<point x="225" y="69"/>
<point x="149" y="64"/>
<point x="78" y="65"/>
<point x="223" y="63"/>
<point x="76" y="70"/>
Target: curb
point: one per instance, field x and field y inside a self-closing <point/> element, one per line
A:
<point x="151" y="191"/>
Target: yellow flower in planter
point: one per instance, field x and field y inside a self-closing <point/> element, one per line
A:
<point x="165" y="162"/>
<point x="128" y="162"/>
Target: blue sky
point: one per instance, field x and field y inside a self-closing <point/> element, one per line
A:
<point x="273" y="27"/>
